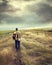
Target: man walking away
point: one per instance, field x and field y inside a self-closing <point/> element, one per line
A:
<point x="16" y="38"/>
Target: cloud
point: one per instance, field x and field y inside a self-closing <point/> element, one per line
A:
<point x="11" y="20"/>
<point x="24" y="0"/>
<point x="41" y="9"/>
<point x="49" y="0"/>
<point x="12" y="8"/>
<point x="5" y="7"/>
<point x="27" y="12"/>
<point x="46" y="11"/>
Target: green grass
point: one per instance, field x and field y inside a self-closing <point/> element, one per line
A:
<point x="5" y="32"/>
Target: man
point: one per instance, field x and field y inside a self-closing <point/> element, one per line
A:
<point x="16" y="38"/>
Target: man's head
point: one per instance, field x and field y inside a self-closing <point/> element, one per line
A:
<point x="16" y="29"/>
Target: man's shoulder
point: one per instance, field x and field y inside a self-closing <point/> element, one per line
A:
<point x="17" y="32"/>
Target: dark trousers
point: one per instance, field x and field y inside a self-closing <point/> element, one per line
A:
<point x="17" y="44"/>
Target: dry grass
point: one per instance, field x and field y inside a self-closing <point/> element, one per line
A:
<point x="36" y="49"/>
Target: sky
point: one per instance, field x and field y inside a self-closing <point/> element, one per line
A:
<point x="25" y="14"/>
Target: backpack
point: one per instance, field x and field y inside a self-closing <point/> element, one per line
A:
<point x="14" y="36"/>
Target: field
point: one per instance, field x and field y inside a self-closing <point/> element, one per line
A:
<point x="36" y="48"/>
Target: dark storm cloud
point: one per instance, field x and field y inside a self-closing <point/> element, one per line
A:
<point x="46" y="11"/>
<point x="41" y="9"/>
<point x="49" y="0"/>
<point x="8" y="20"/>
<point x="4" y="7"/>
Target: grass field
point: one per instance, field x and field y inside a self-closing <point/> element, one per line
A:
<point x="36" y="48"/>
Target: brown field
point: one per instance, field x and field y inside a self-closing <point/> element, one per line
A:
<point x="36" y="48"/>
